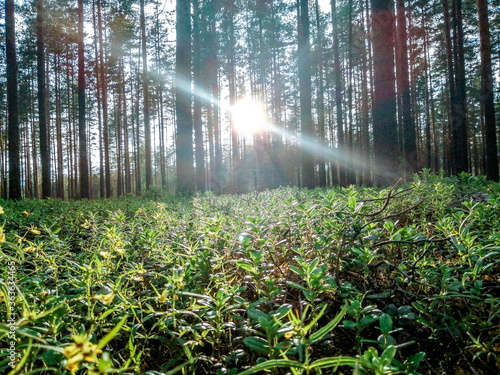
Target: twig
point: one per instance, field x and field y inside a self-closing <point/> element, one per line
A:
<point x="402" y="212"/>
<point x="386" y="203"/>
<point x="393" y="266"/>
<point x="403" y="242"/>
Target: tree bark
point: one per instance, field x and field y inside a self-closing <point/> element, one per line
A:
<point x="409" y="133"/>
<point x="387" y="166"/>
<point x="338" y="95"/>
<point x="184" y="136"/>
<point x="12" y="103"/>
<point x="487" y="94"/>
<point x="82" y="125"/>
<point x="145" y="88"/>
<point x="42" y="100"/>
<point x="307" y="135"/>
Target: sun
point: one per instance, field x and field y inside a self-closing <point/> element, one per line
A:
<point x="249" y="116"/>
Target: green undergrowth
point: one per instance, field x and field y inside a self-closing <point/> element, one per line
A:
<point x="403" y="280"/>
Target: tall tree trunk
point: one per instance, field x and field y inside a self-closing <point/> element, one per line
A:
<point x="82" y="125"/>
<point x="104" y="100"/>
<point x="12" y="102"/>
<point x="487" y="94"/>
<point x="198" y="98"/>
<point x="338" y="95"/>
<point x="449" y="156"/>
<point x="307" y="133"/>
<point x="42" y="100"/>
<point x="387" y="166"/>
<point x="59" y="143"/>
<point x="410" y="136"/>
<point x="321" y="102"/>
<point x="102" y="186"/>
<point x="461" y="151"/>
<point x="145" y="87"/>
<point x="184" y="139"/>
<point x="231" y="76"/>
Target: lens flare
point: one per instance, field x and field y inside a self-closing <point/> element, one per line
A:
<point x="249" y="117"/>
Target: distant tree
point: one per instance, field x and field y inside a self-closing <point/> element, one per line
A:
<point x="321" y="99"/>
<point x="12" y="102"/>
<point x="82" y="124"/>
<point x="461" y="147"/>
<point x="198" y="96"/>
<point x="145" y="87"/>
<point x="338" y="93"/>
<point x="104" y="102"/>
<point x="387" y="166"/>
<point x="42" y="100"/>
<point x="487" y="94"/>
<point x="184" y="132"/>
<point x="403" y="84"/>
<point x="307" y="132"/>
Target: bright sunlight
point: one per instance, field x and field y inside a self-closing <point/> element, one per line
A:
<point x="249" y="116"/>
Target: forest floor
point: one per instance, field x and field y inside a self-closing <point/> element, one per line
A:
<point x="403" y="280"/>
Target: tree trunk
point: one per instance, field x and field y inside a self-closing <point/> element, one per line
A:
<point x="145" y="87"/>
<point x="461" y="151"/>
<point x="82" y="129"/>
<point x="487" y="94"/>
<point x="12" y="103"/>
<point x="198" y="95"/>
<point x="321" y="103"/>
<point x="307" y="134"/>
<point x="387" y="166"/>
<point x="409" y="133"/>
<point x="104" y="102"/>
<point x="184" y="139"/>
<point x="42" y="100"/>
<point x="338" y="95"/>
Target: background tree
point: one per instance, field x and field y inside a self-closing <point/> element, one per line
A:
<point x="12" y="102"/>
<point x="487" y="94"/>
<point x="387" y="166"/>
<point x="304" y="61"/>
<point x="184" y="134"/>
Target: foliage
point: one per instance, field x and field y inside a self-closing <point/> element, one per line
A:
<point x="397" y="281"/>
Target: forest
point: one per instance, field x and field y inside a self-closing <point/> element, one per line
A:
<point x="250" y="187"/>
<point x="112" y="98"/>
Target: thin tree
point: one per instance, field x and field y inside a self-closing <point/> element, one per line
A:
<point x="338" y="92"/>
<point x="145" y="88"/>
<point x="104" y="102"/>
<point x="42" y="100"/>
<point x="82" y="125"/>
<point x="184" y="131"/>
<point x="321" y="100"/>
<point x="198" y="95"/>
<point x="487" y="94"/>
<point x="12" y="102"/>
<point x="403" y="83"/>
<point x="304" y="51"/>
<point x="461" y="151"/>
<point x="385" y="125"/>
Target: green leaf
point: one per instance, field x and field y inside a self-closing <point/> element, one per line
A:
<point x="295" y="285"/>
<point x="367" y="320"/>
<point x="388" y="355"/>
<point x="111" y="334"/>
<point x="350" y="324"/>
<point x="351" y="203"/>
<point x="257" y="343"/>
<point x="385" y="323"/>
<point x="272" y="364"/>
<point x="333" y="361"/>
<point x="319" y="334"/>
<point x="297" y="271"/>
<point x="245" y="265"/>
<point x="256" y="314"/>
